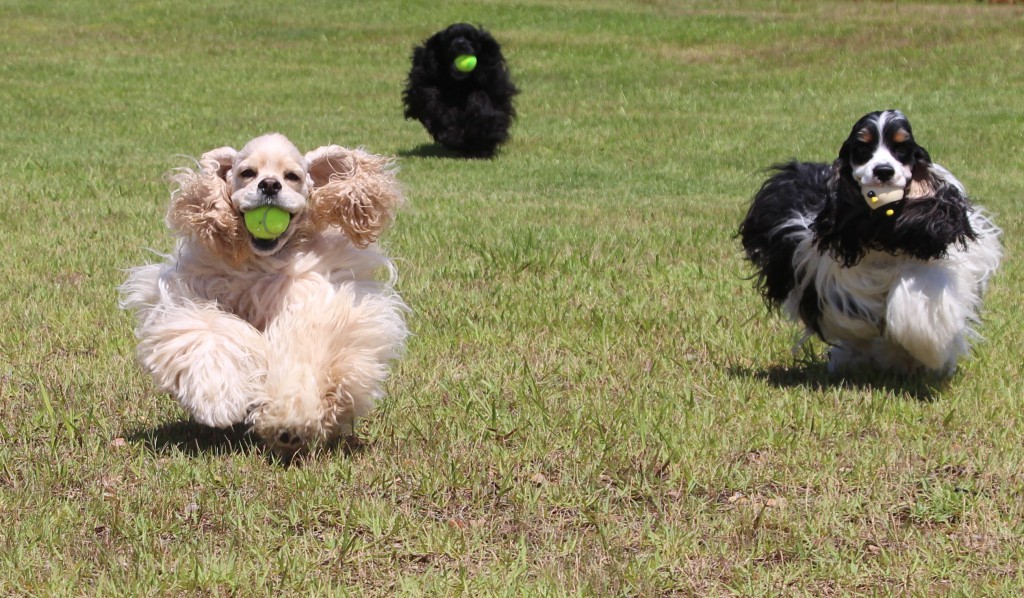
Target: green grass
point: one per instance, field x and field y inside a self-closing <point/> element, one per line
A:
<point x="595" y="401"/>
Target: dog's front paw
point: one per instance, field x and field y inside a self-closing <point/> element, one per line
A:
<point x="285" y="442"/>
<point x="280" y="435"/>
<point x="844" y="360"/>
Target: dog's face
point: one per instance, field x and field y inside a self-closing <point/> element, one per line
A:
<point x="881" y="152"/>
<point x="463" y="39"/>
<point x="269" y="171"/>
<point x="925" y="208"/>
<point x="331" y="186"/>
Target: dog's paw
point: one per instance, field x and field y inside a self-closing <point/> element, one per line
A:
<point x="845" y="360"/>
<point x="280" y="437"/>
<point x="286" y="443"/>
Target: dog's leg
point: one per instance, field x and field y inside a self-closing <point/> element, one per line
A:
<point x="846" y="357"/>
<point x="329" y="352"/>
<point x="877" y="354"/>
<point x="925" y="315"/>
<point x="213" y="362"/>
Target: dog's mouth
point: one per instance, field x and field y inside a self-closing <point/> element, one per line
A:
<point x="879" y="196"/>
<point x="265" y="246"/>
<point x="266" y="235"/>
<point x="463" y="59"/>
<point x="459" y="75"/>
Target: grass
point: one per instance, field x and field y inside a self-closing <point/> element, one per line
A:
<point x="595" y="401"/>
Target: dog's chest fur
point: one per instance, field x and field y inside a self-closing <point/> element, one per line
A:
<point x="258" y="289"/>
<point x="843" y="302"/>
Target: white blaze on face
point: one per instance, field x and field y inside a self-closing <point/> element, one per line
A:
<point x="865" y="173"/>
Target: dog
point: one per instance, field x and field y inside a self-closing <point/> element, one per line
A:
<point x="465" y="105"/>
<point x="879" y="254"/>
<point x="294" y="335"/>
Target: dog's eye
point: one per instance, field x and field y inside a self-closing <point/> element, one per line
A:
<point x="291" y="176"/>
<point x="248" y="173"/>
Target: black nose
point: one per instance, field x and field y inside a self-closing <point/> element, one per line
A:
<point x="270" y="186"/>
<point x="884" y="172"/>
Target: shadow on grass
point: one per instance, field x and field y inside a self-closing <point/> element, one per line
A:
<point x="193" y="439"/>
<point x="814" y="375"/>
<point x="436" y="150"/>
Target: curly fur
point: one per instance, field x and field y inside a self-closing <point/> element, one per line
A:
<point x="470" y="113"/>
<point x="293" y="337"/>
<point x="356" y="194"/>
<point x="897" y="291"/>
<point x="201" y="208"/>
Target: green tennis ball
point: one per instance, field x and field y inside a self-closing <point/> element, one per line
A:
<point x="267" y="222"/>
<point x="465" y="62"/>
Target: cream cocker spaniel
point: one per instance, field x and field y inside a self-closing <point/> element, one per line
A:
<point x="292" y="335"/>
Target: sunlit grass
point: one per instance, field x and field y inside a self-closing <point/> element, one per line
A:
<point x="595" y="401"/>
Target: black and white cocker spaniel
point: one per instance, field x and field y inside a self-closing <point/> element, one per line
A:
<point x="880" y="253"/>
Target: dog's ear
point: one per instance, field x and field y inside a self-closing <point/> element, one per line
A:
<point x="424" y="60"/>
<point x="835" y="172"/>
<point x="488" y="46"/>
<point x="923" y="182"/>
<point x="353" y="190"/>
<point x="201" y="206"/>
<point x="844" y="151"/>
<point x="924" y="179"/>
<point x="921" y="156"/>
<point x="935" y="215"/>
<point x="218" y="161"/>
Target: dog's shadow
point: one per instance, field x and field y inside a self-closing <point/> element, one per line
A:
<point x="436" y="150"/>
<point x="193" y="440"/>
<point x="814" y="375"/>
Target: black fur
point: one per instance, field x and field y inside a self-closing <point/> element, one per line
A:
<point x="834" y="212"/>
<point x="470" y="113"/>
<point x="795" y="188"/>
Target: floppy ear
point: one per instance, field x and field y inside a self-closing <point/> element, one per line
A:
<point x="488" y="46"/>
<point x="201" y="206"/>
<point x="922" y="183"/>
<point x="936" y="212"/>
<point x="218" y="161"/>
<point x="353" y="190"/>
<point x="923" y="180"/>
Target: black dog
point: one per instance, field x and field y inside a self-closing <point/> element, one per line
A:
<point x="459" y="88"/>
<point x="879" y="253"/>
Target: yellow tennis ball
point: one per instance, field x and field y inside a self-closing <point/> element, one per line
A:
<point x="465" y="62"/>
<point x="267" y="222"/>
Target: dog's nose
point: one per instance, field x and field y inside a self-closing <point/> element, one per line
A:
<point x="270" y="186"/>
<point x="884" y="172"/>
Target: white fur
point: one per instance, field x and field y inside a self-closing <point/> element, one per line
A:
<point x="297" y="343"/>
<point x="898" y="312"/>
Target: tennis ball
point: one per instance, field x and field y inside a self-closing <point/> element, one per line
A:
<point x="465" y="63"/>
<point x="267" y="222"/>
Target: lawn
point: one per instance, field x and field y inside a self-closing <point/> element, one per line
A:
<point x="595" y="400"/>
